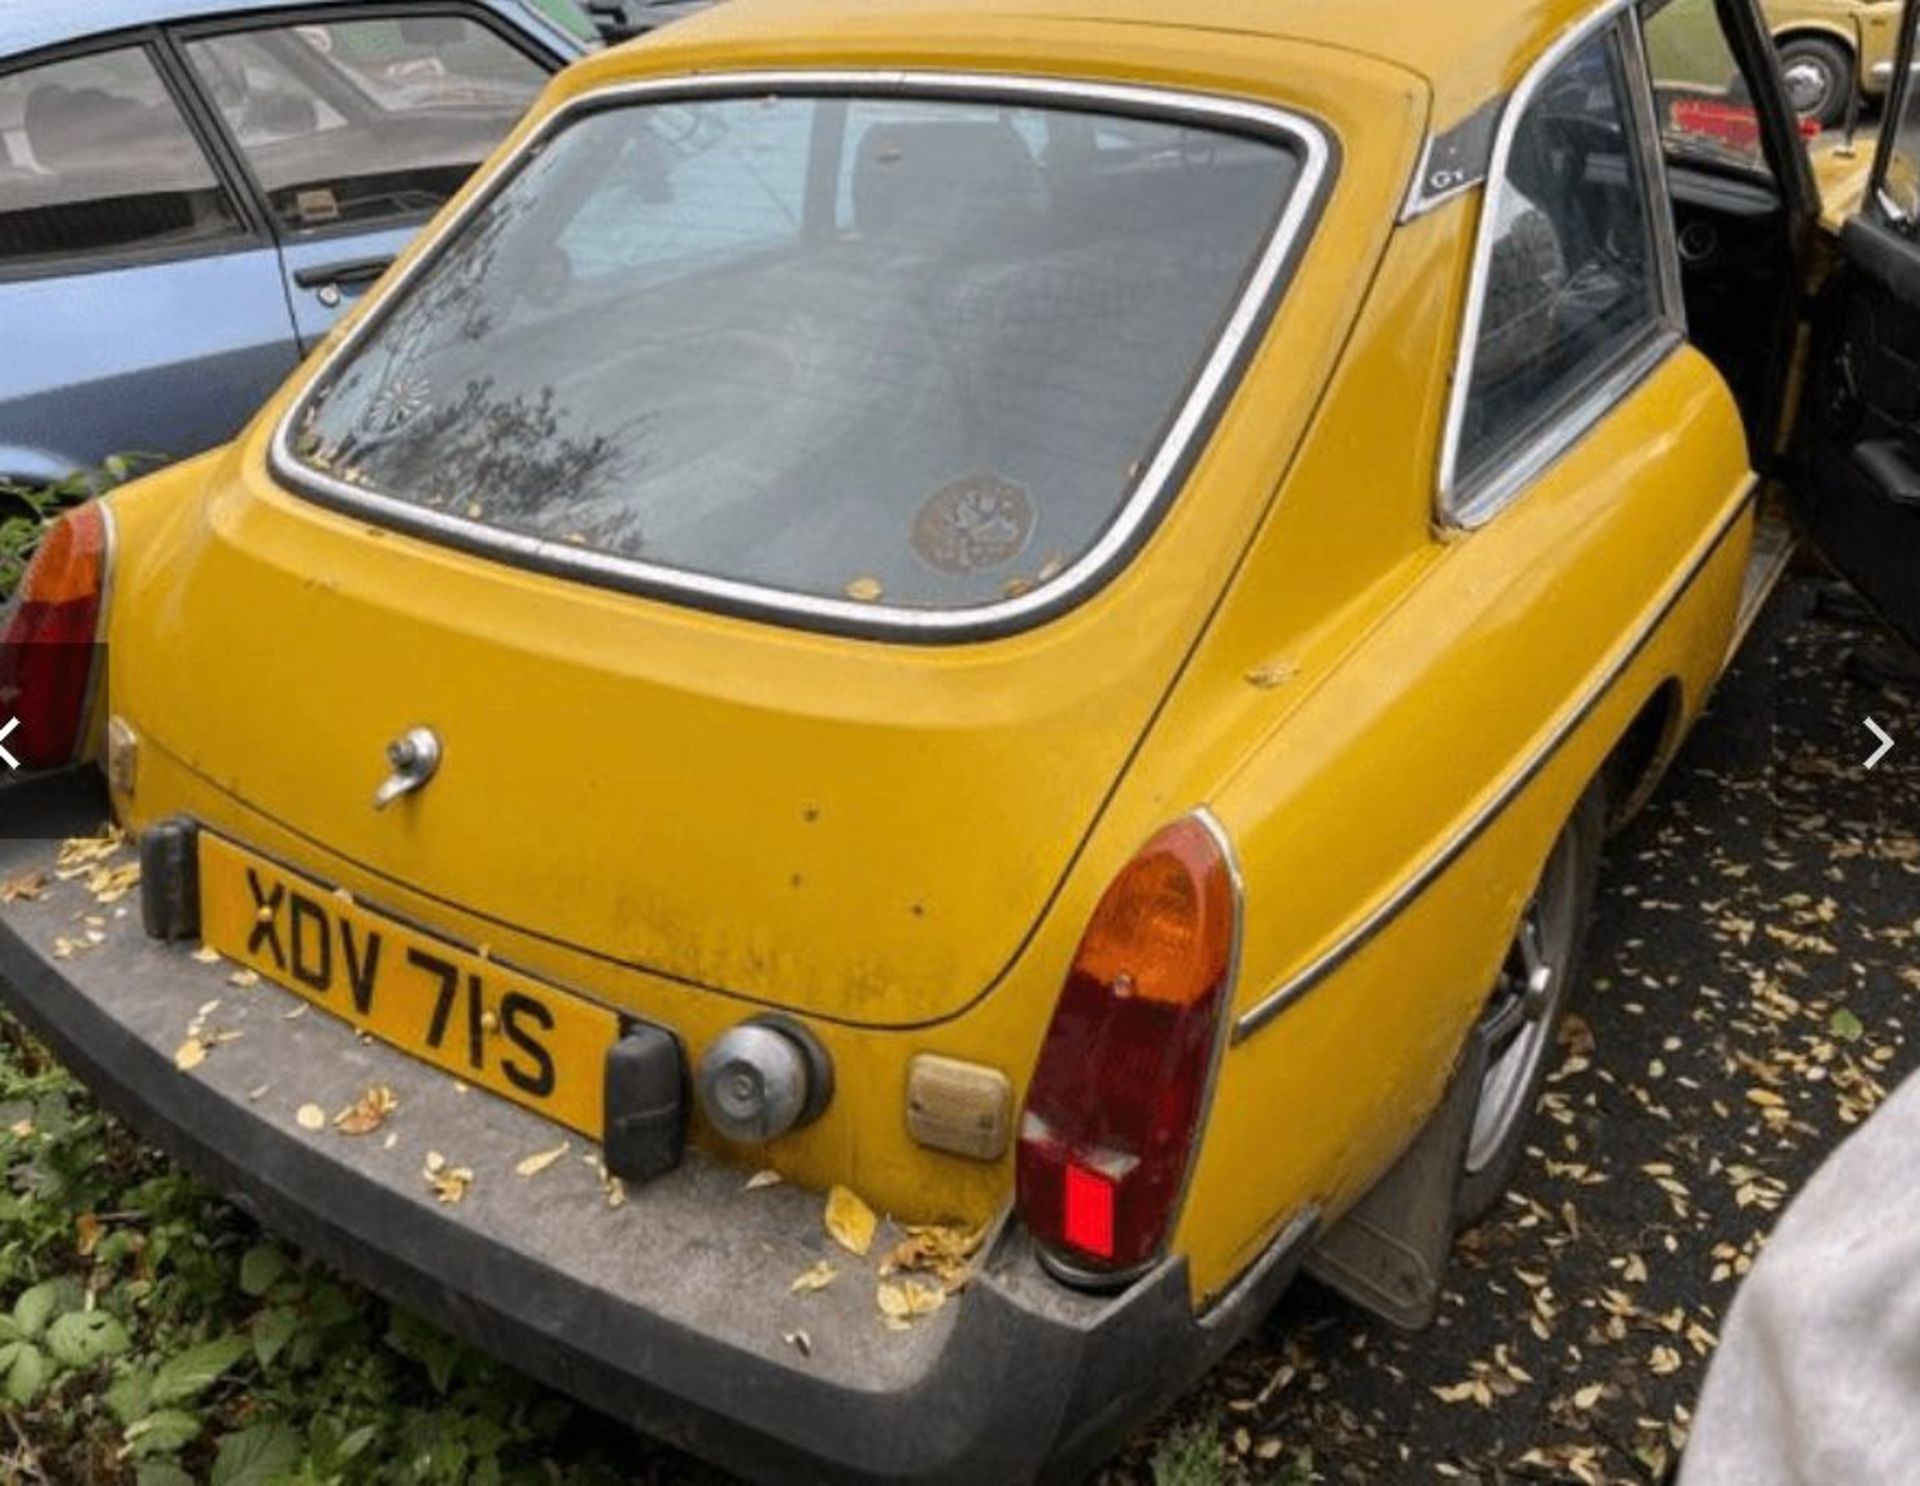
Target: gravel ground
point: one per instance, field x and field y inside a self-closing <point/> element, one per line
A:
<point x="1750" y="980"/>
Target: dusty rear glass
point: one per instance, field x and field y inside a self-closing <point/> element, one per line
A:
<point x="898" y="351"/>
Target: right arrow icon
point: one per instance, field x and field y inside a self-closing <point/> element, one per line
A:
<point x="1886" y="743"/>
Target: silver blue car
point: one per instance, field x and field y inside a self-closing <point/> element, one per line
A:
<point x="191" y="191"/>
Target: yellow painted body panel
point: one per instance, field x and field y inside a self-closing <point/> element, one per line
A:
<point x="1842" y="172"/>
<point x="265" y="649"/>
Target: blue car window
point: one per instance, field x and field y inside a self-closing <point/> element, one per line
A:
<point x="95" y="158"/>
<point x="363" y="121"/>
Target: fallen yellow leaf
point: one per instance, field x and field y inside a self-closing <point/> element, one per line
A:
<point x="819" y="1277"/>
<point x="535" y="1164"/>
<point x="23" y="886"/>
<point x="190" y="1054"/>
<point x="850" y="1221"/>
<point x="311" y="1117"/>
<point x="367" y="1113"/>
<point x="449" y="1182"/>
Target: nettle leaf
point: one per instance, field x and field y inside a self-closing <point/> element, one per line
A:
<point x="260" y="1267"/>
<point x="82" y="1338"/>
<point x="190" y="1373"/>
<point x="257" y="1456"/>
<point x="272" y="1330"/>
<point x="162" y="1433"/>
<point x="161" y="1473"/>
<point x="35" y="1307"/>
<point x="129" y="1396"/>
<point x="26" y="1371"/>
<point x="354" y="1443"/>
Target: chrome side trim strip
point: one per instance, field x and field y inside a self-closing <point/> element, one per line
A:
<point x="1294" y="989"/>
<point x="1467" y="510"/>
<point x="1156" y="484"/>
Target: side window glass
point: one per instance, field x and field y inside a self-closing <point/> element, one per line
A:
<point x="1899" y="189"/>
<point x="361" y="121"/>
<point x="1572" y="283"/>
<point x="95" y="158"/>
<point x="1703" y="103"/>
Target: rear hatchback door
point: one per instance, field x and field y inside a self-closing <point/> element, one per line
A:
<point x="747" y="497"/>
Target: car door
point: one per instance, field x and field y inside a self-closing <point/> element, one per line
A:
<point x="356" y="127"/>
<point x="140" y="295"/>
<point x="1856" y="484"/>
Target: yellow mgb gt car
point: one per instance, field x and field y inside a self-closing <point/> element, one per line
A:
<point x="1026" y="616"/>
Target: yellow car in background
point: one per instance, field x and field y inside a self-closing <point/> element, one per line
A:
<point x="1833" y="50"/>
<point x="981" y="646"/>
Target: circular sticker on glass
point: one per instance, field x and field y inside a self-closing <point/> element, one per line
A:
<point x="975" y="523"/>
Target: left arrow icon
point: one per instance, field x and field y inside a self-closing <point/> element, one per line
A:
<point x="1885" y="748"/>
<point x="11" y="724"/>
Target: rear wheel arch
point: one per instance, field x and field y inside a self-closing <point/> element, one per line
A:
<point x="1842" y="36"/>
<point x="1640" y="755"/>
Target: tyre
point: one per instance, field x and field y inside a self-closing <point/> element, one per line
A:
<point x="1820" y="79"/>
<point x="1513" y="1044"/>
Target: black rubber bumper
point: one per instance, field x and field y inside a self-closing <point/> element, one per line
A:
<point x="672" y="1312"/>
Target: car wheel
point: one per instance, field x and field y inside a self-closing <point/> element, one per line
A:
<point x="1819" y="76"/>
<point x="1513" y="1044"/>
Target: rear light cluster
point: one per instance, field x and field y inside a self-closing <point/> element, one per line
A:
<point x="47" y="653"/>
<point x="1114" y="1108"/>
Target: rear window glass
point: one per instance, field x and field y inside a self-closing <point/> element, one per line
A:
<point x="907" y="352"/>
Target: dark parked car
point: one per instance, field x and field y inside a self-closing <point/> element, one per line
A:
<point x="191" y="191"/>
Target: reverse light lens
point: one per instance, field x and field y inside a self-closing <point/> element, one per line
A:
<point x="1115" y="1103"/>
<point x="47" y="652"/>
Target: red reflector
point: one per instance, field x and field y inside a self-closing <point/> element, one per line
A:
<point x="1089" y="1217"/>
<point x="1114" y="1106"/>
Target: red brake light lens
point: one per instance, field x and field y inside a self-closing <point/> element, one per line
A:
<point x="1115" y="1103"/>
<point x="47" y="653"/>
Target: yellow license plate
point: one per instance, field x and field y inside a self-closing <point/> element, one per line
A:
<point x="477" y="1019"/>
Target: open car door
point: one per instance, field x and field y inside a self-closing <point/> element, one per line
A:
<point x="1856" y="482"/>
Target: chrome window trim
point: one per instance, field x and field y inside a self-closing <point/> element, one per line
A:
<point x="1653" y="165"/>
<point x="1218" y="377"/>
<point x="1468" y="507"/>
<point x="1375" y="921"/>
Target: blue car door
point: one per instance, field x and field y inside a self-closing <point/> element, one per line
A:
<point x="356" y="127"/>
<point x="142" y="307"/>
